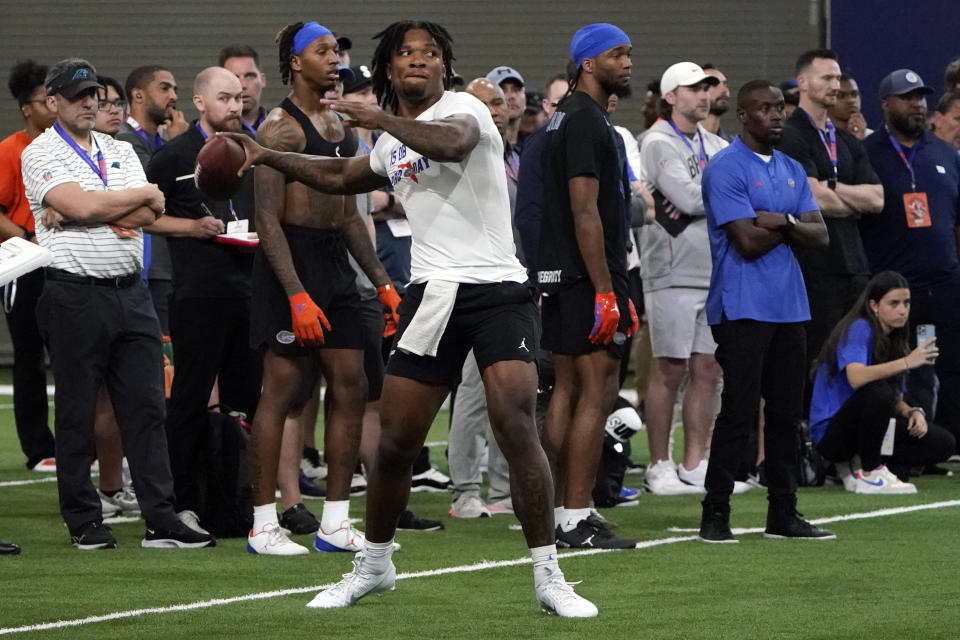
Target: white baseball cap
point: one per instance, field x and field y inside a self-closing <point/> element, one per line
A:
<point x="684" y="74"/>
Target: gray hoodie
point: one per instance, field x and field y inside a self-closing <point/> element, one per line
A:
<point x="671" y="168"/>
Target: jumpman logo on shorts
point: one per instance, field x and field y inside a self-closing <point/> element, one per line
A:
<point x="523" y="345"/>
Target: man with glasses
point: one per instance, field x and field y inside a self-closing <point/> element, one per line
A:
<point x="89" y="197"/>
<point x="112" y="108"/>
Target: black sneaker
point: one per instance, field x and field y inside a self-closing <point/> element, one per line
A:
<point x="715" y="526"/>
<point x="94" y="535"/>
<point x="592" y="533"/>
<point x="789" y="523"/>
<point x="411" y="521"/>
<point x="179" y="536"/>
<point x="299" y="520"/>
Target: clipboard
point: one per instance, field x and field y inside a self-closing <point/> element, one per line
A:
<point x="247" y="240"/>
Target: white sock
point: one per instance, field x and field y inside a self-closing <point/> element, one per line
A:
<point x="263" y="515"/>
<point x="544" y="563"/>
<point x="378" y="554"/>
<point x="558" y="515"/>
<point x="572" y="517"/>
<point x="334" y="513"/>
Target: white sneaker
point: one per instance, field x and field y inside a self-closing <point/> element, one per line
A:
<point x="356" y="584"/>
<point x="108" y="505"/>
<point x="662" y="480"/>
<point x="696" y="476"/>
<point x="272" y="541"/>
<point x="189" y="518"/>
<point x="47" y="465"/>
<point x="500" y="507"/>
<point x="847" y="476"/>
<point x="882" y="480"/>
<point x="346" y="538"/>
<point x="358" y="485"/>
<point x="557" y="597"/>
<point x="431" y="480"/>
<point x="315" y="473"/>
<point x="469" y="505"/>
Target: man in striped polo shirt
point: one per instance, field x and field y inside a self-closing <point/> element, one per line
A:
<point x="89" y="197"/>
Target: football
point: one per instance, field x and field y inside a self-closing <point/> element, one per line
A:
<point x="215" y="173"/>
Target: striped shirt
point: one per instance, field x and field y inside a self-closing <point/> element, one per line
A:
<point x="95" y="251"/>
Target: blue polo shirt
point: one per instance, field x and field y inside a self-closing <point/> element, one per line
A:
<point x="736" y="184"/>
<point x="926" y="256"/>
<point x="832" y="390"/>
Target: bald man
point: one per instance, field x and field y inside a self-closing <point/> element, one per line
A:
<point x="470" y="418"/>
<point x="210" y="305"/>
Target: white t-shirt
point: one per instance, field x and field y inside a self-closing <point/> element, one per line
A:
<point x="95" y="251"/>
<point x="459" y="212"/>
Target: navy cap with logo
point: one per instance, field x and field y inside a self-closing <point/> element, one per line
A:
<point x="74" y="79"/>
<point x="344" y="43"/>
<point x="902" y="81"/>
<point x="362" y="78"/>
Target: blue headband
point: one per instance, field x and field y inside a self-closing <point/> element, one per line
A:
<point x="594" y="39"/>
<point x="307" y="34"/>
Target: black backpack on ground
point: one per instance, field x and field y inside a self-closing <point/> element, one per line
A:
<point x="224" y="484"/>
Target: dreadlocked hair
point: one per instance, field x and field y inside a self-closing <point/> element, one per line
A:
<point x="285" y="40"/>
<point x="25" y="77"/>
<point x="391" y="40"/>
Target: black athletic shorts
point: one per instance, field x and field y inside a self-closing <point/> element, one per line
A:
<point x="498" y="321"/>
<point x="568" y="320"/>
<point x="371" y="315"/>
<point x="320" y="259"/>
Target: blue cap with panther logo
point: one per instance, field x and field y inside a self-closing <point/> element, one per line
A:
<point x="75" y="78"/>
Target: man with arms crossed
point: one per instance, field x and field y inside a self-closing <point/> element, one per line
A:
<point x="759" y="206"/>
<point x="443" y="154"/>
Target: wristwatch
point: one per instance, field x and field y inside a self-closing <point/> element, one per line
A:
<point x="791" y="222"/>
<point x="832" y="184"/>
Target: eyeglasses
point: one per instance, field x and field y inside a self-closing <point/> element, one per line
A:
<point x="104" y="105"/>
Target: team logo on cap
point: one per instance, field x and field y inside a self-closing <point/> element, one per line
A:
<point x="365" y="71"/>
<point x="912" y="77"/>
<point x="81" y="74"/>
<point x="285" y="337"/>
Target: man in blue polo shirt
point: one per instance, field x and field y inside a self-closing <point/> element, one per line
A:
<point x="915" y="233"/>
<point x="759" y="206"/>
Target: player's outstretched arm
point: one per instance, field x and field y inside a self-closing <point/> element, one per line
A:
<point x="327" y="175"/>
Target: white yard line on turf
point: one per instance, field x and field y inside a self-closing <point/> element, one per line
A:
<point x="480" y="566"/>
<point x="892" y="511"/>
<point x="19" y="483"/>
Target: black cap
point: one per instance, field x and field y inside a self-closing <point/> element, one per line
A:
<point x="534" y="102"/>
<point x="344" y="43"/>
<point x="362" y="78"/>
<point x="73" y="80"/>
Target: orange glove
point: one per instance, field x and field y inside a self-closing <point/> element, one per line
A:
<point x="606" y="317"/>
<point x="389" y="325"/>
<point x="390" y="299"/>
<point x="634" y="319"/>
<point x="307" y="318"/>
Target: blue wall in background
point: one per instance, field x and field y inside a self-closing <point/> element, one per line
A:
<point x="874" y="37"/>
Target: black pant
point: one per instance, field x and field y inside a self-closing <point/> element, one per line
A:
<point x="940" y="307"/>
<point x="29" y="371"/>
<point x="100" y="335"/>
<point x="759" y="359"/>
<point x="211" y="341"/>
<point x="860" y="424"/>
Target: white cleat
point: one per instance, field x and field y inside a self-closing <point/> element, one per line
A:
<point x="346" y="538"/>
<point x="272" y="540"/>
<point x="557" y="597"/>
<point x="356" y="584"/>
<point x="661" y="479"/>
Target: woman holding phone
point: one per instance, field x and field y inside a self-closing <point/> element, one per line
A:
<point x="857" y="392"/>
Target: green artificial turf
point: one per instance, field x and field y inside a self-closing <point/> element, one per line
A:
<point x="885" y="577"/>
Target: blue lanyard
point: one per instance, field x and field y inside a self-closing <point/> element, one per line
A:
<point x="907" y="159"/>
<point x="100" y="168"/>
<point x="686" y="141"/>
<point x="253" y="129"/>
<point x="200" y="129"/>
<point x="157" y="141"/>
<point x="831" y="136"/>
